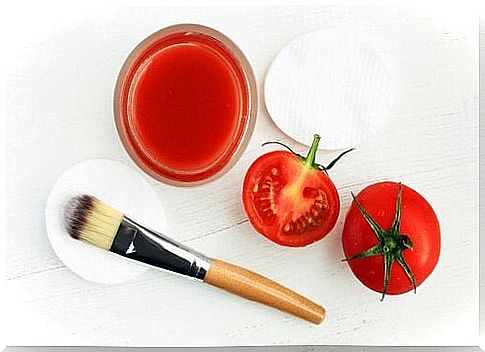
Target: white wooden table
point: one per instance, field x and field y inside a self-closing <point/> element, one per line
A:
<point x="59" y="113"/>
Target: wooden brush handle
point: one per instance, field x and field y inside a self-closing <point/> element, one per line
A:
<point x="258" y="288"/>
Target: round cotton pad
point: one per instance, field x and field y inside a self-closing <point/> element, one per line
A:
<point x="123" y="189"/>
<point x="332" y="83"/>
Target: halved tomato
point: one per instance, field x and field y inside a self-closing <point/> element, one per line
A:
<point x="290" y="199"/>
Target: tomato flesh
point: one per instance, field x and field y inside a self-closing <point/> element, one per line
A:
<point x="418" y="222"/>
<point x="288" y="202"/>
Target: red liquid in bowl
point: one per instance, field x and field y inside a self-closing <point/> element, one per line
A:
<point x="185" y="106"/>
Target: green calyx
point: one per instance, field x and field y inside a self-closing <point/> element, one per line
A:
<point x="391" y="243"/>
<point x="309" y="160"/>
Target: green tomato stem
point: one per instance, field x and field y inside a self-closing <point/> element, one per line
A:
<point x="309" y="161"/>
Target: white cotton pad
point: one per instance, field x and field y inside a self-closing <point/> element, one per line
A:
<point x="123" y="189"/>
<point x="332" y="83"/>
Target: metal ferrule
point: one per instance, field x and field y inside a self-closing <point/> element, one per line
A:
<point x="139" y="243"/>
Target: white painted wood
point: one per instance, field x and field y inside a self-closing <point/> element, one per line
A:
<point x="59" y="113"/>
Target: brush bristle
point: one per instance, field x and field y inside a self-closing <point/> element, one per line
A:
<point x="90" y="220"/>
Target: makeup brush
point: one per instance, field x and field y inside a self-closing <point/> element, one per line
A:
<point x="90" y="220"/>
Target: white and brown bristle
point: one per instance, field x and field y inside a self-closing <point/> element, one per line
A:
<point x="90" y="220"/>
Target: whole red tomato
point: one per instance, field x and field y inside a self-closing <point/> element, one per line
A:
<point x="391" y="238"/>
<point x="289" y="198"/>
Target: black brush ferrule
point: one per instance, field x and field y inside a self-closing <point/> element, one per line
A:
<point x="139" y="243"/>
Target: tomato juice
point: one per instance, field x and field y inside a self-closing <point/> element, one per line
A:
<point x="185" y="104"/>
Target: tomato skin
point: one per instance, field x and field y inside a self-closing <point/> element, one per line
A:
<point x="295" y="189"/>
<point x="418" y="221"/>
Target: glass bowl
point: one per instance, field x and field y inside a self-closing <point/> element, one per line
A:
<point x="125" y="112"/>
